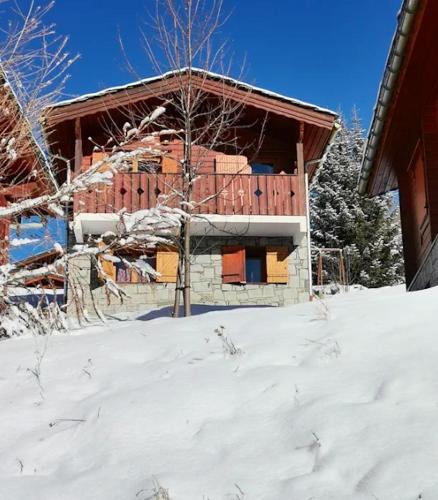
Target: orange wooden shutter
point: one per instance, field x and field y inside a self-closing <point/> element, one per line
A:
<point x="167" y="265"/>
<point x="233" y="264"/>
<point x="276" y="264"/>
<point x="169" y="165"/>
<point x="134" y="276"/>
<point x="108" y="268"/>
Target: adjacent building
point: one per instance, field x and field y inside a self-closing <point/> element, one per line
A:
<point x="24" y="173"/>
<point x="402" y="148"/>
<point x="251" y="242"/>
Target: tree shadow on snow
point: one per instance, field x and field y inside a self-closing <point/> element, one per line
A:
<point x="197" y="309"/>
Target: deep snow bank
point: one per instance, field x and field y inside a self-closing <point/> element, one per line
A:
<point x="319" y="402"/>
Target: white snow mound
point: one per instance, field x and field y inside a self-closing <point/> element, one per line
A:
<point x="323" y="401"/>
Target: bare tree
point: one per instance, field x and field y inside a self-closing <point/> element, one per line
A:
<point x="34" y="65"/>
<point x="183" y="37"/>
<point x="33" y="71"/>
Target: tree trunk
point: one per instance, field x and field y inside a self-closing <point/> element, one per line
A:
<point x="187" y="285"/>
<point x="175" y="312"/>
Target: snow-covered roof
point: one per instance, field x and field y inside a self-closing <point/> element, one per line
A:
<point x="210" y="74"/>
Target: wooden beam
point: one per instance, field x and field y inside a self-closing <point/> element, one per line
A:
<point x="301" y="136"/>
<point x="78" y="145"/>
<point x="301" y="178"/>
<point x="300" y="159"/>
<point x="49" y="279"/>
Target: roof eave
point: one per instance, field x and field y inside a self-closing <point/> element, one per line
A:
<point x="214" y="76"/>
<point x="394" y="64"/>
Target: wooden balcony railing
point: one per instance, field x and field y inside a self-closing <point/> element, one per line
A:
<point x="242" y="194"/>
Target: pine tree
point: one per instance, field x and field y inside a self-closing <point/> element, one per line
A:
<point x="367" y="229"/>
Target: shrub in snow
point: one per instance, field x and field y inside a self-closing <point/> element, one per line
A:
<point x="227" y="344"/>
<point x="22" y="318"/>
<point x="322" y="308"/>
<point x="161" y="494"/>
<point x="158" y="492"/>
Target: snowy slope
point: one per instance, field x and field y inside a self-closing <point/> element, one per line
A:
<point x="320" y="404"/>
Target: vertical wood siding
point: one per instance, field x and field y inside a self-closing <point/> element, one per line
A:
<point x="236" y="194"/>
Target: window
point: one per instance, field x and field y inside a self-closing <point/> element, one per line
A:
<point x="164" y="261"/>
<point x="126" y="274"/>
<point x="255" y="264"/>
<point x="262" y="168"/>
<point x="149" y="166"/>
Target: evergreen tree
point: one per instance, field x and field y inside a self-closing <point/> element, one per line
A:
<point x="367" y="229"/>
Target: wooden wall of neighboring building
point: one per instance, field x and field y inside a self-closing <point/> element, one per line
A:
<point x="418" y="185"/>
<point x="429" y="128"/>
<point x="407" y="155"/>
<point x="415" y="214"/>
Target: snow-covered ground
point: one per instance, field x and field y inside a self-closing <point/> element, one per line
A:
<point x="335" y="400"/>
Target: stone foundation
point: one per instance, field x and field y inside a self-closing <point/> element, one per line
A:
<point x="206" y="276"/>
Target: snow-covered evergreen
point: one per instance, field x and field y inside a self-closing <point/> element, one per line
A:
<point x="367" y="229"/>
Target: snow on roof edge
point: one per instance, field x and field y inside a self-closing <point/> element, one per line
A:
<point x="110" y="90"/>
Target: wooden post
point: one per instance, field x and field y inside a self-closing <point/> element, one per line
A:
<point x="342" y="278"/>
<point x="4" y="234"/>
<point x="320" y="264"/>
<point x="78" y="145"/>
<point x="300" y="170"/>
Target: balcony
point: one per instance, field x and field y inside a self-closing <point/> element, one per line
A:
<point x="242" y="194"/>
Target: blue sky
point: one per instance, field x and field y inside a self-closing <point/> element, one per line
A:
<point x="43" y="237"/>
<point x="331" y="53"/>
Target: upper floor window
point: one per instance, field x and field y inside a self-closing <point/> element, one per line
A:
<point x="262" y="168"/>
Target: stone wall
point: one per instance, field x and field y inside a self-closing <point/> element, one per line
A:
<point x="206" y="276"/>
<point x="427" y="275"/>
<point x="207" y="286"/>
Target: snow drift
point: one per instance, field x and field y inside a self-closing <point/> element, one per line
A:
<point x="334" y="400"/>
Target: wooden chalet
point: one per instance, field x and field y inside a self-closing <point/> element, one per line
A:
<point x="402" y="148"/>
<point x="262" y="191"/>
<point x="24" y="173"/>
